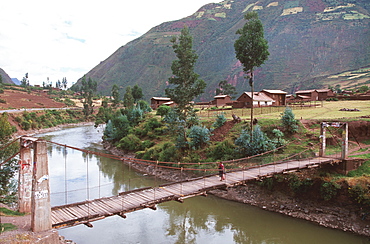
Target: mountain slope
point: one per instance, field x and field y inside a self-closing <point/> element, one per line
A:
<point x="5" y="77"/>
<point x="307" y="39"/>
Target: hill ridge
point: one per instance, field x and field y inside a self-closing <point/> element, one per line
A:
<point x="307" y="40"/>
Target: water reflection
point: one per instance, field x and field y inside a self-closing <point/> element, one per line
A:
<point x="197" y="220"/>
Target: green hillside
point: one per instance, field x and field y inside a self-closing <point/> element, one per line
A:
<point x="308" y="40"/>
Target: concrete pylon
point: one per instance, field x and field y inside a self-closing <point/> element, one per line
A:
<point x="41" y="210"/>
<point x="25" y="176"/>
<point x="322" y="140"/>
<point x="345" y="141"/>
<point x="344" y="151"/>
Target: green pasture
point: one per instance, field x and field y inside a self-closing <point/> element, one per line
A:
<point x="318" y="110"/>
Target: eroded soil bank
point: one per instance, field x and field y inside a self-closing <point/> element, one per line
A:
<point x="342" y="214"/>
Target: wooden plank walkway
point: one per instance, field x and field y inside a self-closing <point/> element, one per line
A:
<point x="88" y="211"/>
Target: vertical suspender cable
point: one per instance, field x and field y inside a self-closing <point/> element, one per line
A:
<point x="87" y="185"/>
<point x="65" y="175"/>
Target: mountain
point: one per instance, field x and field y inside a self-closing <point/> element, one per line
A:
<point x="16" y="81"/>
<point x="308" y="40"/>
<point x="5" y="77"/>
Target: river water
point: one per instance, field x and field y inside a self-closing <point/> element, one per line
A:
<point x="77" y="176"/>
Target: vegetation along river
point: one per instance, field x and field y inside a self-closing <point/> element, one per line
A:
<point x="197" y="220"/>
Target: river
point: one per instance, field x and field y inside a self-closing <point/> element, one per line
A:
<point x="77" y="176"/>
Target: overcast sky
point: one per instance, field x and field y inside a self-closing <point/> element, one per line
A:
<point x="68" y="38"/>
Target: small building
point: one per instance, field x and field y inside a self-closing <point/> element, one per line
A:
<point x="155" y="102"/>
<point x="302" y="98"/>
<point x="221" y="100"/>
<point x="310" y="95"/>
<point x="324" y="94"/>
<point x="316" y="95"/>
<point x="279" y="96"/>
<point x="260" y="99"/>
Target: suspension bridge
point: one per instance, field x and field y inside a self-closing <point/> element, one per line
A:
<point x="34" y="192"/>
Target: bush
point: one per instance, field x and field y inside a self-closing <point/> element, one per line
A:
<point x="278" y="138"/>
<point x="224" y="150"/>
<point x="163" y="110"/>
<point x="220" y="120"/>
<point x="289" y="122"/>
<point x="130" y="143"/>
<point x="360" y="194"/>
<point x="329" y="189"/>
<point x="199" y="136"/>
<point x="117" y="128"/>
<point x="25" y="125"/>
<point x="245" y="146"/>
<point x="298" y="185"/>
<point x="169" y="153"/>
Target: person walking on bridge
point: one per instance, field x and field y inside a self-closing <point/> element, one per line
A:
<point x="221" y="171"/>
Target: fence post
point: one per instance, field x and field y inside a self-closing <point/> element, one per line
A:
<point x="41" y="211"/>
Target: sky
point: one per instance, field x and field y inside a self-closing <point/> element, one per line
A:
<point x="56" y="39"/>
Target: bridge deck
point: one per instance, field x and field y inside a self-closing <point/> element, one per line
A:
<point x="88" y="211"/>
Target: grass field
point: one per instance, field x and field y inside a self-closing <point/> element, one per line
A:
<point x="326" y="110"/>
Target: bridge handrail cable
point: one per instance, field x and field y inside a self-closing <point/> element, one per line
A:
<point x="179" y="164"/>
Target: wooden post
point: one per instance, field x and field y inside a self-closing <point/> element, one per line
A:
<point x="41" y="210"/>
<point x="345" y="141"/>
<point x="322" y="139"/>
<point x="25" y="176"/>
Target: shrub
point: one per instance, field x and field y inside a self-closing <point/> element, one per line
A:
<point x="2" y="101"/>
<point x="199" y="136"/>
<point x="144" y="105"/>
<point x="169" y="153"/>
<point x="163" y="110"/>
<point x="289" y="122"/>
<point x="25" y="125"/>
<point x="130" y="143"/>
<point x="360" y="192"/>
<point x="329" y="189"/>
<point x="260" y="143"/>
<point x="117" y="128"/>
<point x="298" y="185"/>
<point x="278" y="138"/>
<point x="220" y="120"/>
<point x="224" y="150"/>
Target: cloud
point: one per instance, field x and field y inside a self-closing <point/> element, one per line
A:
<point x="67" y="38"/>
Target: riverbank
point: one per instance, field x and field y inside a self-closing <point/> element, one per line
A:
<point x="45" y="130"/>
<point x="336" y="215"/>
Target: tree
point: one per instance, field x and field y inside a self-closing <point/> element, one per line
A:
<point x="88" y="89"/>
<point x="64" y="82"/>
<point x="289" y="122"/>
<point x="128" y="99"/>
<point x="226" y="89"/>
<point x="8" y="190"/>
<point x="137" y="93"/>
<point x="199" y="136"/>
<point x="186" y="83"/>
<point x="115" y="95"/>
<point x="247" y="145"/>
<point x="251" y="49"/>
<point x="163" y="110"/>
<point x="25" y="81"/>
